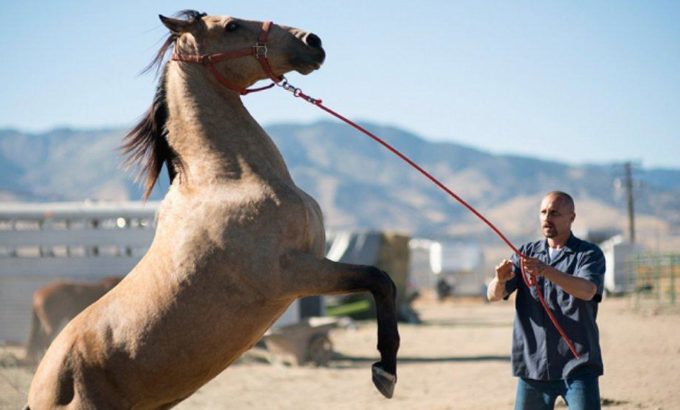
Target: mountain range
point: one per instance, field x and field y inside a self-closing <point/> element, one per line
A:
<point x="360" y="185"/>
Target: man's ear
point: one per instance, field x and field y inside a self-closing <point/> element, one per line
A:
<point x="573" y="217"/>
<point x="177" y="26"/>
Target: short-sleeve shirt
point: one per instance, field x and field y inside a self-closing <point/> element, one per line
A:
<point x="538" y="350"/>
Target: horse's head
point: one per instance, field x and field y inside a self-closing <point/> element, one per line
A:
<point x="243" y="51"/>
<point x="236" y="53"/>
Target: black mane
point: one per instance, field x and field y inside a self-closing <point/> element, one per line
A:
<point x="146" y="146"/>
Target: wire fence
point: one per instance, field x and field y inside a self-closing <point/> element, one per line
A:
<point x="655" y="278"/>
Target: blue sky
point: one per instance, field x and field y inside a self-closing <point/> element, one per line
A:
<point x="574" y="81"/>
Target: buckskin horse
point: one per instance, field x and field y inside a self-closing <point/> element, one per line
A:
<point x="236" y="240"/>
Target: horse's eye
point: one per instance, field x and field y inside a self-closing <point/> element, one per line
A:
<point x="231" y="26"/>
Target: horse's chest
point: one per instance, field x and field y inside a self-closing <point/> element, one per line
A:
<point x="223" y="217"/>
<point x="267" y="210"/>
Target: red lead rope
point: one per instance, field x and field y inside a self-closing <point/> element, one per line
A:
<point x="259" y="51"/>
<point x="528" y="282"/>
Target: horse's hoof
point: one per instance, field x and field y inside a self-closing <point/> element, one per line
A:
<point x="383" y="380"/>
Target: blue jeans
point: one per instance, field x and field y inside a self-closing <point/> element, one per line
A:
<point x="580" y="393"/>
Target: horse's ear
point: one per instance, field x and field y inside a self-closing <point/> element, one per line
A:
<point x="177" y="26"/>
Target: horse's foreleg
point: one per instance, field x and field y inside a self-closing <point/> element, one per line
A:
<point x="36" y="339"/>
<point x="308" y="275"/>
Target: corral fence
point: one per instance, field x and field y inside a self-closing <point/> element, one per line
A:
<point x="655" y="278"/>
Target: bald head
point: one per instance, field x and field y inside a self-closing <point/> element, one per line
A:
<point x="561" y="199"/>
<point x="557" y="215"/>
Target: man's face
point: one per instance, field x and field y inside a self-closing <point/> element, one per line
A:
<point x="556" y="216"/>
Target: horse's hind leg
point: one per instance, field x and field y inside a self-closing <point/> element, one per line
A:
<point x="308" y="275"/>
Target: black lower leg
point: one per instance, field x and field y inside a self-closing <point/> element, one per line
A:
<point x="384" y="293"/>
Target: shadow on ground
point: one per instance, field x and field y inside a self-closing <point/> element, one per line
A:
<point x="341" y="361"/>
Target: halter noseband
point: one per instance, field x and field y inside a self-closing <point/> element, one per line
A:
<point x="259" y="51"/>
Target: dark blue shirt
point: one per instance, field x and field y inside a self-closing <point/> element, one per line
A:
<point x="538" y="350"/>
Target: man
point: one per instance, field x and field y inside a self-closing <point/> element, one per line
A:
<point x="570" y="273"/>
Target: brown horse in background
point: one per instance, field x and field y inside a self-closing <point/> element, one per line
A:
<point x="236" y="240"/>
<point x="55" y="304"/>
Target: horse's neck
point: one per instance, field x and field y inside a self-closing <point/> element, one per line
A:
<point x="213" y="133"/>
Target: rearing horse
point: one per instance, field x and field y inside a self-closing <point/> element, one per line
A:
<point x="236" y="240"/>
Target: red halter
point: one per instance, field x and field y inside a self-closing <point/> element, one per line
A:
<point x="259" y="51"/>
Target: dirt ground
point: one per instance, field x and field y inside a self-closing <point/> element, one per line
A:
<point x="457" y="359"/>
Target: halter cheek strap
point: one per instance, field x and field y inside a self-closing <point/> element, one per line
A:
<point x="259" y="51"/>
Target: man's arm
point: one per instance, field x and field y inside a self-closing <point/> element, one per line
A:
<point x="573" y="285"/>
<point x="496" y="289"/>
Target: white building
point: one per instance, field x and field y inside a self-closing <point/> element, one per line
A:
<point x="459" y="263"/>
<point x="616" y="252"/>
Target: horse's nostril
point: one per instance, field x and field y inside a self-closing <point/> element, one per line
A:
<point x="313" y="40"/>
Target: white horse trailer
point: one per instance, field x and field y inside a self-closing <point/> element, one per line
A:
<point x="43" y="242"/>
<point x="80" y="241"/>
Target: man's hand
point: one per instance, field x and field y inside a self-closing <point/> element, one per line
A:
<point x="533" y="266"/>
<point x="573" y="285"/>
<point x="504" y="271"/>
<point x="496" y="289"/>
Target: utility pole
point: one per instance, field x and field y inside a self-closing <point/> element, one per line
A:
<point x="628" y="183"/>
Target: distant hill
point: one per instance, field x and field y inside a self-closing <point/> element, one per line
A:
<point x="361" y="185"/>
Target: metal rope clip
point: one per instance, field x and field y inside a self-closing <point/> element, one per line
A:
<point x="297" y="91"/>
<point x="289" y="87"/>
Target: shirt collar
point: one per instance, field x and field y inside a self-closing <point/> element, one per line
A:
<point x="572" y="244"/>
<point x="569" y="247"/>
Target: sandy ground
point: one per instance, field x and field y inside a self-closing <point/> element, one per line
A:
<point x="458" y="359"/>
